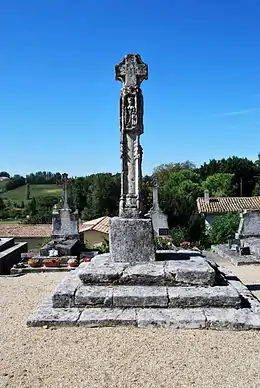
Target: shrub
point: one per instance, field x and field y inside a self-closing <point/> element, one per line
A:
<point x="223" y="228"/>
<point x="163" y="243"/>
<point x="179" y="234"/>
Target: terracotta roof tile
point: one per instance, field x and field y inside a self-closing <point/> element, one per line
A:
<point x="99" y="224"/>
<point x="23" y="230"/>
<point x="227" y="204"/>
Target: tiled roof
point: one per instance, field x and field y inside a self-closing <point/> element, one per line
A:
<point x="44" y="230"/>
<point x="23" y="230"/>
<point x="227" y="204"/>
<point x="99" y="224"/>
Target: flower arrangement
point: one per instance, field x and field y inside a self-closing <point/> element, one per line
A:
<point x="73" y="263"/>
<point x="34" y="262"/>
<point x="164" y="243"/>
<point x="52" y="262"/>
<point x="186" y="244"/>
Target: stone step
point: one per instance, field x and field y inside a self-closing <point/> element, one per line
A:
<point x="146" y="296"/>
<point x="196" y="271"/>
<point x="197" y="318"/>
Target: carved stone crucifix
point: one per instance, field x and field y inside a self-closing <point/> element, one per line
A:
<point x="131" y="72"/>
<point x="64" y="183"/>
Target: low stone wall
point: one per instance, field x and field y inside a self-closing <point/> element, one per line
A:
<point x="11" y="256"/>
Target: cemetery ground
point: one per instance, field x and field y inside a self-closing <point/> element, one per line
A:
<point x="119" y="357"/>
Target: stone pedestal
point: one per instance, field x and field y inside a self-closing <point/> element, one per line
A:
<point x="131" y="240"/>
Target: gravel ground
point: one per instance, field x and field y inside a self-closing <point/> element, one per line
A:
<point x="117" y="357"/>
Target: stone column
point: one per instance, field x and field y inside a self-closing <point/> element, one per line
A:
<point x="131" y="238"/>
<point x="131" y="72"/>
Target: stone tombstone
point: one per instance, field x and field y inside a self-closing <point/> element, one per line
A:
<point x="131" y="237"/>
<point x="64" y="222"/>
<point x="65" y="236"/>
<point x="159" y="219"/>
<point x="249" y="225"/>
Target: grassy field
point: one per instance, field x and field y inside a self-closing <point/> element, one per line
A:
<point x="19" y="194"/>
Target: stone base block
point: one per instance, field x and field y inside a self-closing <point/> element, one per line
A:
<point x="131" y="240"/>
<point x="232" y="319"/>
<point x="180" y="272"/>
<point x="173" y="318"/>
<point x="107" y="317"/>
<point x="64" y="294"/>
<point x="94" y="296"/>
<point x="102" y="274"/>
<point x="219" y="296"/>
<point x="193" y="272"/>
<point x="140" y="296"/>
<point x="47" y="315"/>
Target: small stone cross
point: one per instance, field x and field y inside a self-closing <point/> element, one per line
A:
<point x="155" y="194"/>
<point x="131" y="71"/>
<point x="64" y="183"/>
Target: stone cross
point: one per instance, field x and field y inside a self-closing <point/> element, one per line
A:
<point x="64" y="183"/>
<point x="131" y="72"/>
<point x="155" y="194"/>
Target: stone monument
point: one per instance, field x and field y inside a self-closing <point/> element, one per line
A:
<point x="127" y="286"/>
<point x="65" y="227"/>
<point x="159" y="219"/>
<point x="131" y="235"/>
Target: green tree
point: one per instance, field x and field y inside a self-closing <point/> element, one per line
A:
<point x="178" y="197"/>
<point x="4" y="174"/>
<point x="101" y="195"/>
<point x="224" y="227"/>
<point x="163" y="171"/>
<point x="243" y="169"/>
<point x="220" y="185"/>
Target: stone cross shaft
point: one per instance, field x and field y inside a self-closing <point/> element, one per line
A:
<point x="155" y="194"/>
<point x="131" y="72"/>
<point x="65" y="182"/>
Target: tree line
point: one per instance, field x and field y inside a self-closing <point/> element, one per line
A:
<point x="180" y="184"/>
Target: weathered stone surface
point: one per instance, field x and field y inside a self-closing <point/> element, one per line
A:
<point x="131" y="240"/>
<point x="140" y="296"/>
<point x="99" y="274"/>
<point x="93" y="296"/>
<point x="249" y="225"/>
<point x="219" y="296"/>
<point x="102" y="259"/>
<point x="193" y="272"/>
<point x="47" y="315"/>
<point x="131" y="72"/>
<point x="234" y="257"/>
<point x="174" y="318"/>
<point x="141" y="274"/>
<point x="96" y="317"/>
<point x="232" y="319"/>
<point x="246" y="294"/>
<point x="63" y="295"/>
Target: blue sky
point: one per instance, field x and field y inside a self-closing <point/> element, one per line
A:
<point x="59" y="99"/>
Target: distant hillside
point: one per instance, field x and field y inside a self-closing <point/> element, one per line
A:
<point x="19" y="193"/>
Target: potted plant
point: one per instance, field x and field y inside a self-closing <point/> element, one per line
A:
<point x="34" y="262"/>
<point x="72" y="262"/>
<point x="52" y="262"/>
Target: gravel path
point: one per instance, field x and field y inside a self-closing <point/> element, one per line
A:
<point x="116" y="357"/>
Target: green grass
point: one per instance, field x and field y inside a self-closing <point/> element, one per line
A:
<point x="19" y="194"/>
